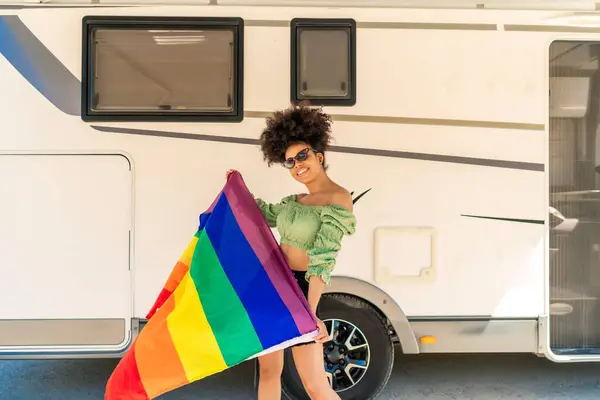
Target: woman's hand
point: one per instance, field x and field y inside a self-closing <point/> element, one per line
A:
<point x="229" y="172"/>
<point x="323" y="336"/>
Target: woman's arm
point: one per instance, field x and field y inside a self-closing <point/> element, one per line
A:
<point x="269" y="211"/>
<point x="315" y="290"/>
<point x="336" y="222"/>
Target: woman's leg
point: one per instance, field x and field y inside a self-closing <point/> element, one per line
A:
<point x="309" y="364"/>
<point x="269" y="382"/>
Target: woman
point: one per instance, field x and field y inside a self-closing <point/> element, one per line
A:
<point x="311" y="227"/>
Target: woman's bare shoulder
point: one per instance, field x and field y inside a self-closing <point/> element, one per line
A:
<point x="341" y="196"/>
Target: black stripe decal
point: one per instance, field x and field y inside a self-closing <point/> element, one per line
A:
<point x="91" y="6"/>
<point x="527" y="166"/>
<point x="523" y="221"/>
<point x="359" y="196"/>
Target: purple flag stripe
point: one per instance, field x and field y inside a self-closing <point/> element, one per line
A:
<point x="262" y="241"/>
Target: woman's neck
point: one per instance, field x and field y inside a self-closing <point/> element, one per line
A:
<point x="320" y="184"/>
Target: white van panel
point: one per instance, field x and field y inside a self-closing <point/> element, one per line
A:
<point x="65" y="237"/>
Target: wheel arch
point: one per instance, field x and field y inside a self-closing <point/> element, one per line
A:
<point x="380" y="301"/>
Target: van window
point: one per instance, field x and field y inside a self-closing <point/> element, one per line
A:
<point x="323" y="61"/>
<point x="166" y="72"/>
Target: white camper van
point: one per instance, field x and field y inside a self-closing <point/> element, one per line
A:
<point x="468" y="131"/>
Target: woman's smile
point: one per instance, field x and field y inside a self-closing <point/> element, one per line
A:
<point x="302" y="171"/>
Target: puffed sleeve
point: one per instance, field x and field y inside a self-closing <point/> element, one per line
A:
<point x="336" y="221"/>
<point x="270" y="210"/>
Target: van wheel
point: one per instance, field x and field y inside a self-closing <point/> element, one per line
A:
<point x="359" y="356"/>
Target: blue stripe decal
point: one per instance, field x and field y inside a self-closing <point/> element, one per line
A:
<point x="39" y="66"/>
<point x="16" y="54"/>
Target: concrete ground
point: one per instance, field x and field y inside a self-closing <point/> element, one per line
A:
<point x="430" y="377"/>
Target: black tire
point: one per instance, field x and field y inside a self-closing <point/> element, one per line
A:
<point x="381" y="349"/>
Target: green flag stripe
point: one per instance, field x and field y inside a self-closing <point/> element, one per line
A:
<point x="224" y="310"/>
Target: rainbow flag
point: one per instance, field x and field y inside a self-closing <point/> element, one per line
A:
<point x="230" y="297"/>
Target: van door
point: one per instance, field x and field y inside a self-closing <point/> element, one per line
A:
<point x="574" y="199"/>
<point x="65" y="249"/>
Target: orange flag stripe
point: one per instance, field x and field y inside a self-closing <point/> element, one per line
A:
<point x="157" y="359"/>
<point x="182" y="266"/>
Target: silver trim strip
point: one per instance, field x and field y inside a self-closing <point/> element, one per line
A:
<point x="551" y="28"/>
<point x="62" y="332"/>
<point x="527" y="166"/>
<point x="427" y="25"/>
<point x="491" y="336"/>
<point x="265" y="23"/>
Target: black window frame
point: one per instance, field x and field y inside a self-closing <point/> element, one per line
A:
<point x="146" y="22"/>
<point x="323" y="23"/>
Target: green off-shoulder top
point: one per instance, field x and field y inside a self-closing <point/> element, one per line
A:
<point x="318" y="230"/>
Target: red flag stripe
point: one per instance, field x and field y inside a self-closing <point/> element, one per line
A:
<point x="125" y="382"/>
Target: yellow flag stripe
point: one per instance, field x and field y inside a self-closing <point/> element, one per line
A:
<point x="186" y="257"/>
<point x="192" y="335"/>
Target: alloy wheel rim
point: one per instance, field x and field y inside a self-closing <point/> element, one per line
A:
<point x="346" y="354"/>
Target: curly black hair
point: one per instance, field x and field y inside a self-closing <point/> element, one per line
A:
<point x="297" y="123"/>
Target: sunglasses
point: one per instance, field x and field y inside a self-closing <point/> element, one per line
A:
<point x="301" y="156"/>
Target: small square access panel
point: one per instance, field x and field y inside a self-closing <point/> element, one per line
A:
<point x="404" y="254"/>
